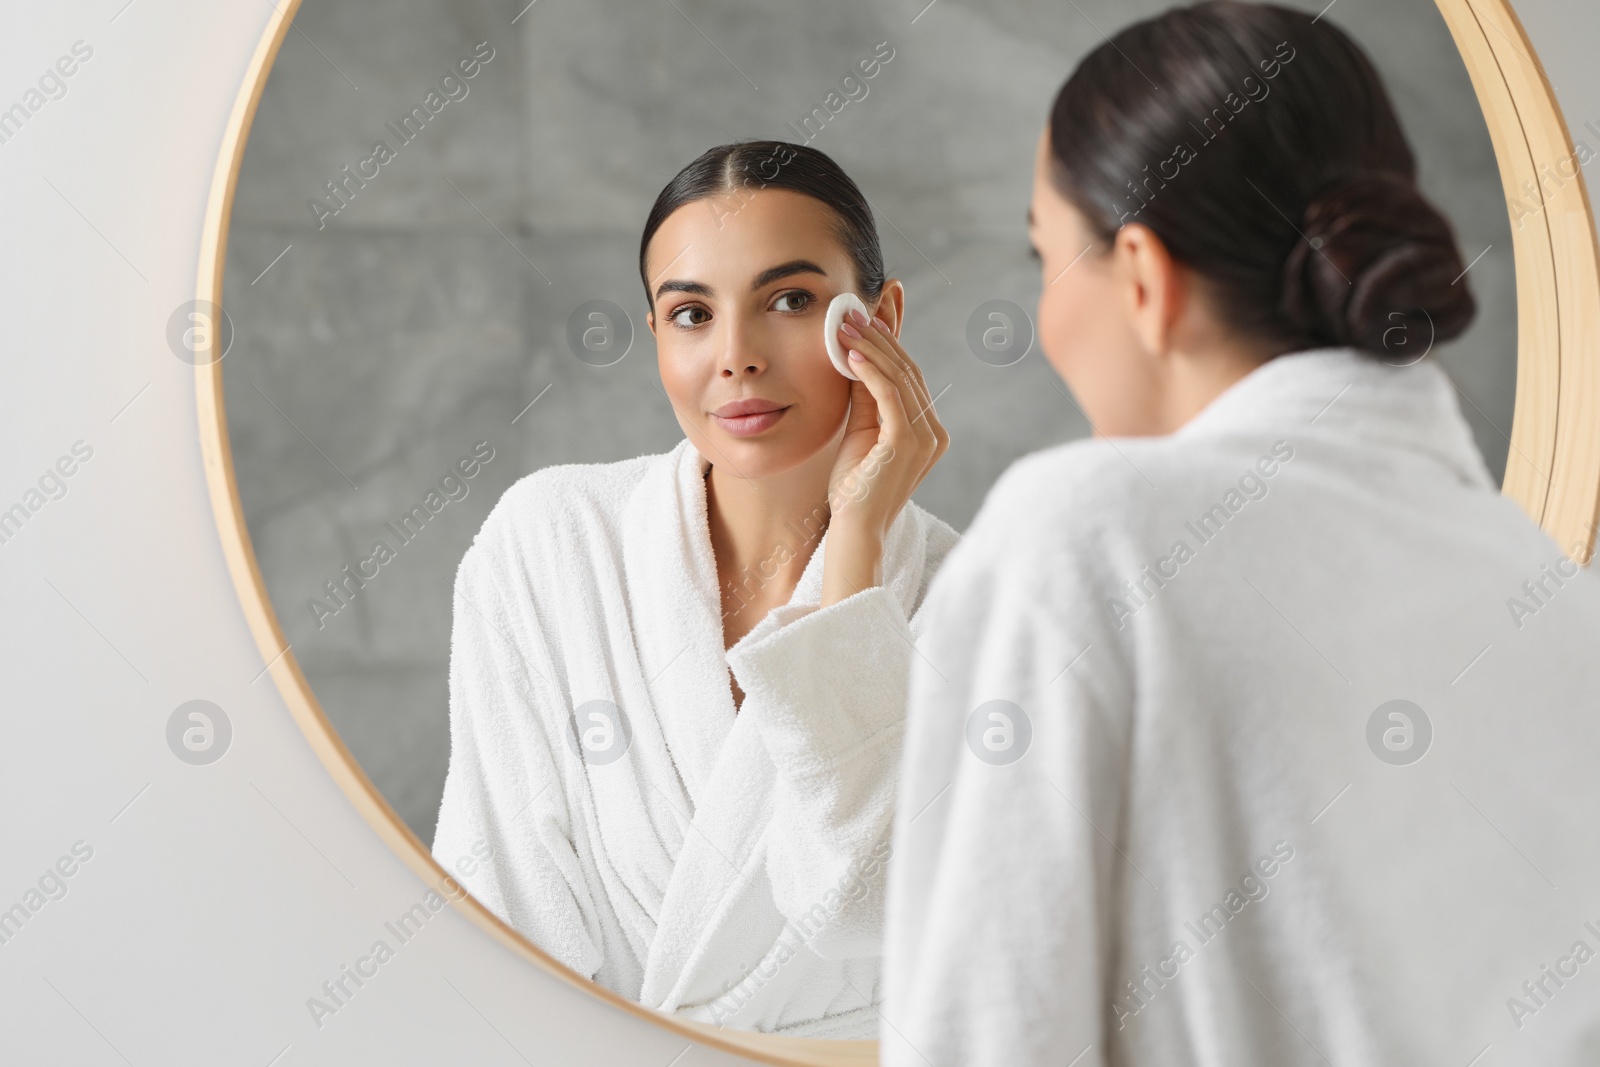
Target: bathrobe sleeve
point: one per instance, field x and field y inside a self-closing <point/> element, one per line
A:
<point x="504" y="829"/>
<point x="1006" y="874"/>
<point x="827" y="688"/>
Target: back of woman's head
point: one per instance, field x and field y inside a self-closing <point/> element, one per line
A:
<point x="741" y="169"/>
<point x="1260" y="145"/>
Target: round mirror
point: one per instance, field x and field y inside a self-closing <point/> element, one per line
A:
<point x="424" y="231"/>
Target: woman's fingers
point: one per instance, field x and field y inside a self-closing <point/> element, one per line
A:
<point x="915" y="369"/>
<point x="897" y="350"/>
<point x="896" y="366"/>
<point x="876" y="329"/>
<point x="925" y="414"/>
<point x="924" y="422"/>
<point x="914" y="429"/>
<point x="885" y="390"/>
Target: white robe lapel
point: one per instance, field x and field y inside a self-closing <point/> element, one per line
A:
<point x="660" y="661"/>
<point x="717" y="921"/>
<point x="675" y="605"/>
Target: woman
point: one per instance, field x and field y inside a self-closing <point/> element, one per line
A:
<point x="683" y="794"/>
<point x="1264" y="727"/>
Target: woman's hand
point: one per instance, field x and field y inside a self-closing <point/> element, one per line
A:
<point x="893" y="438"/>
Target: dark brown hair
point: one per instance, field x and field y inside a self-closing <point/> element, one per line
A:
<point x="744" y="167"/>
<point x="1260" y="145"/>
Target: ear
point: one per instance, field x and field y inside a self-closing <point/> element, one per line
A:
<point x="650" y="320"/>
<point x="1154" y="285"/>
<point x="891" y="307"/>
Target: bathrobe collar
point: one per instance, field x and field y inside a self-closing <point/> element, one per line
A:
<point x="902" y="549"/>
<point x="671" y="565"/>
<point x="721" y="794"/>
<point x="1347" y="392"/>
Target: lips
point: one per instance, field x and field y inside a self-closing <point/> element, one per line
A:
<point x="745" y="417"/>
<point x="749" y="406"/>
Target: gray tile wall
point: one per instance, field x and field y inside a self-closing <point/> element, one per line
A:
<point x="431" y="310"/>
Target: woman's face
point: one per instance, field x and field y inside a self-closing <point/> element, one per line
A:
<point x="1086" y="315"/>
<point x="740" y="285"/>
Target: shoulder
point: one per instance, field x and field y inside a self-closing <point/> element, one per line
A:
<point x="1064" y="525"/>
<point x="1101" y="493"/>
<point x="1075" y="493"/>
<point x="1038" y="561"/>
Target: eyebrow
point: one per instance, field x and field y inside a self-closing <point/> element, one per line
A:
<point x="764" y="279"/>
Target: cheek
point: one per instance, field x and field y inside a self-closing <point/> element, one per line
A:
<point x="1085" y="341"/>
<point x="681" y="375"/>
<point x="1070" y="316"/>
<point x="799" y="353"/>
<point x="807" y="366"/>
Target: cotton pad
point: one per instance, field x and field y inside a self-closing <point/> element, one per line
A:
<point x="837" y="308"/>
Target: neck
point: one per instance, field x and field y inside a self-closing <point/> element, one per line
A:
<point x="1197" y="376"/>
<point x="763" y="530"/>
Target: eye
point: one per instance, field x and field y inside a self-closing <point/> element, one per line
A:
<point x="802" y="295"/>
<point x="676" y="317"/>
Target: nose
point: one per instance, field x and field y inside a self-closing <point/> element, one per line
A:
<point x="738" y="356"/>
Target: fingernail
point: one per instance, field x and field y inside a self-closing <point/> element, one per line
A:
<point x="879" y="323"/>
<point x="856" y="357"/>
<point x="860" y="319"/>
<point x="849" y="329"/>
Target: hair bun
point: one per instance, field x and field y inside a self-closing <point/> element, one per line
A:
<point x="1378" y="269"/>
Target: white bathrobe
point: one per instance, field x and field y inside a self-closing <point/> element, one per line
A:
<point x="1205" y="838"/>
<point x="725" y="866"/>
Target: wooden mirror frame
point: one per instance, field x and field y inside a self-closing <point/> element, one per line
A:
<point x="1552" y="467"/>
